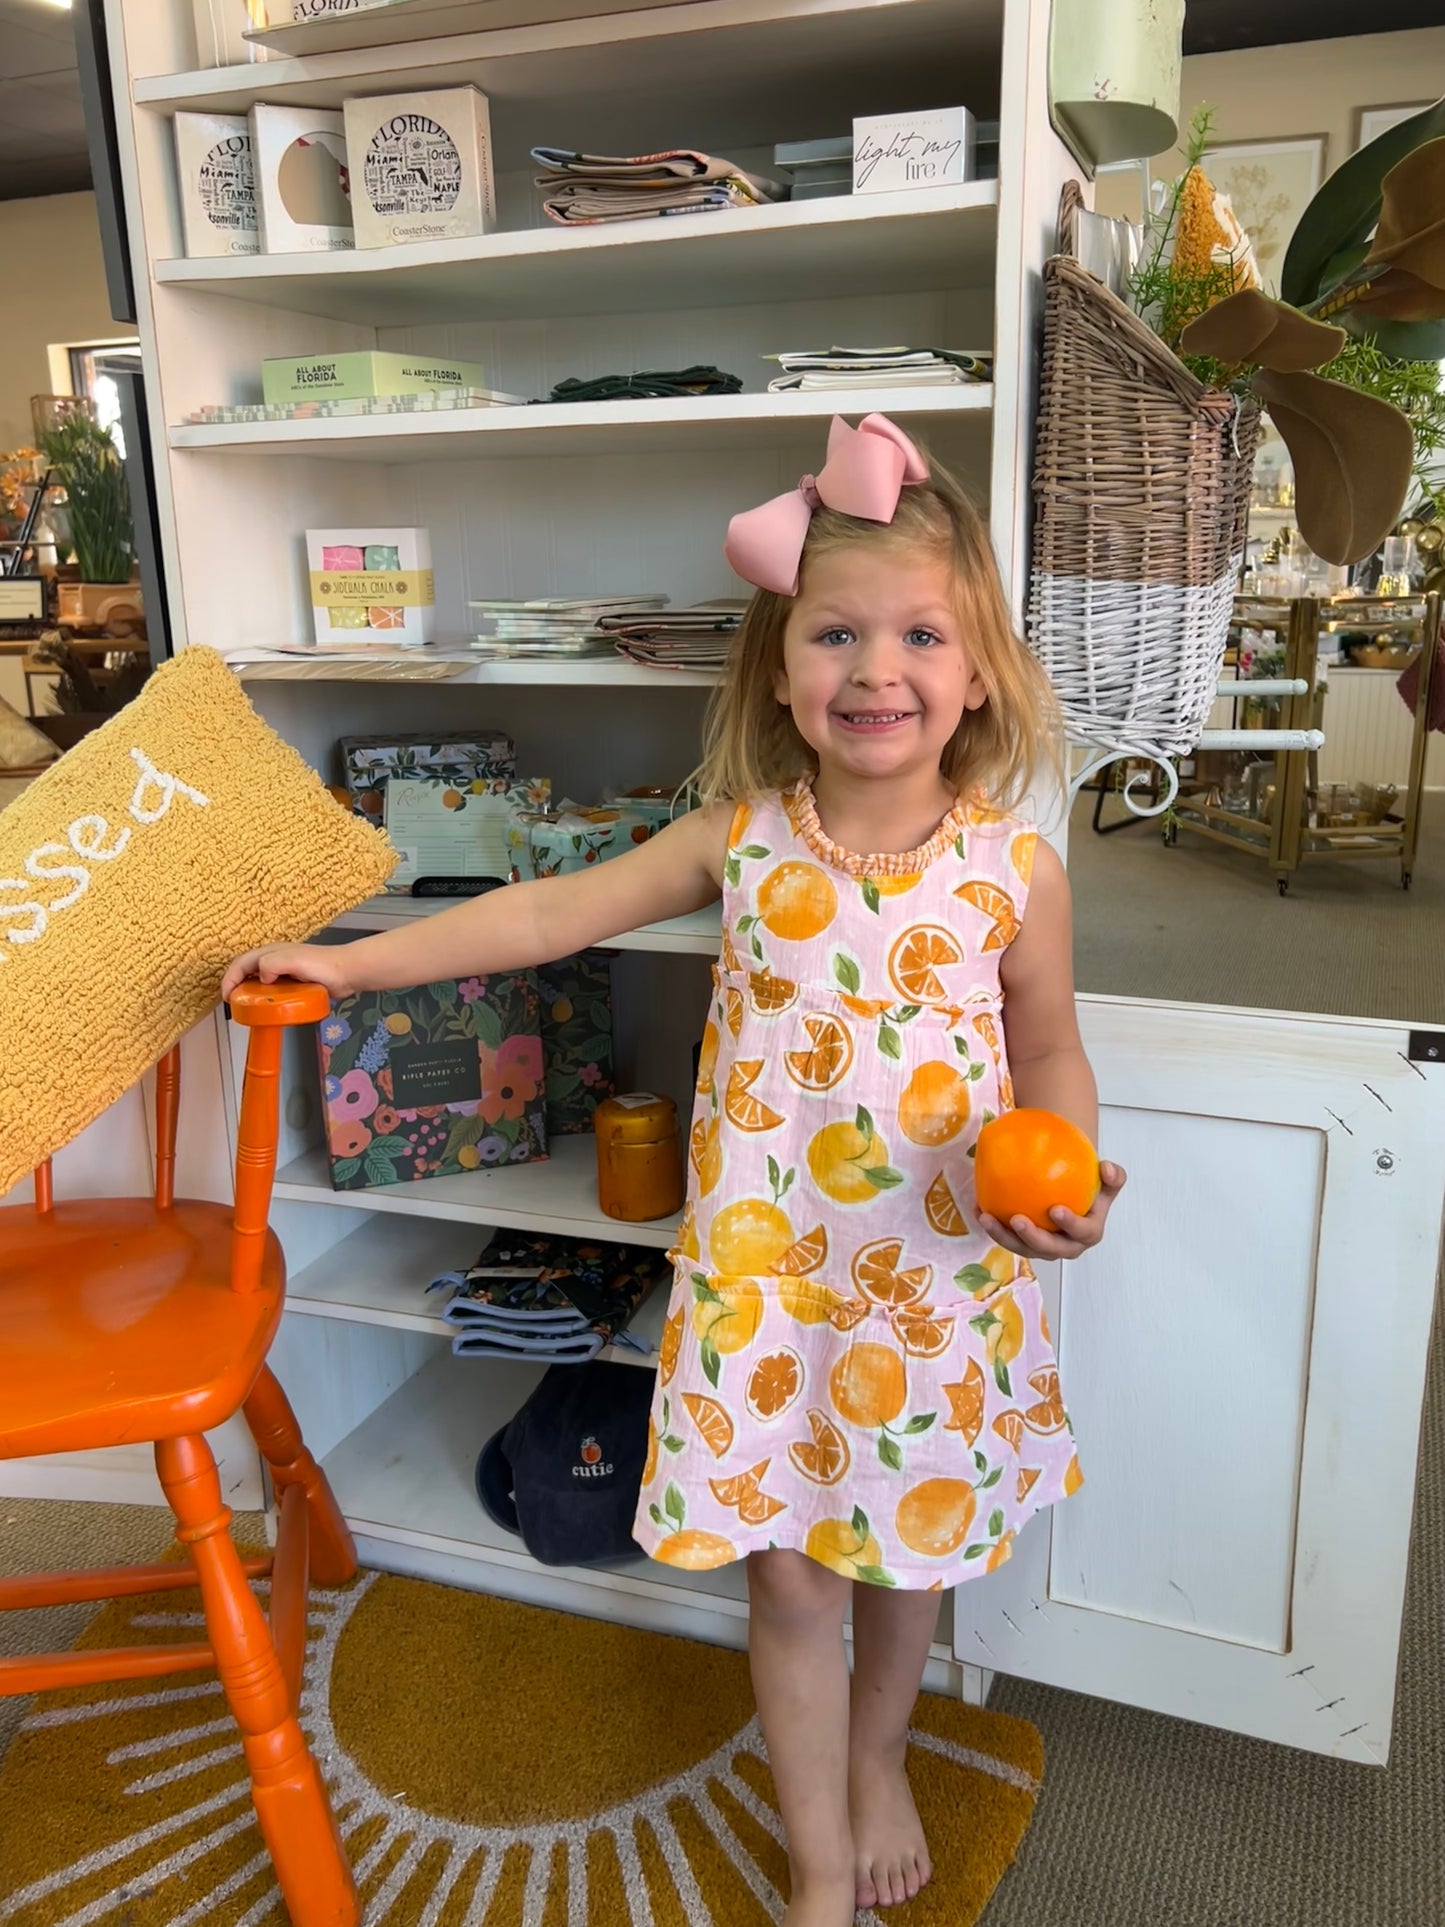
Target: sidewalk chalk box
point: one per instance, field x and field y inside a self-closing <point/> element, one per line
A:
<point x="433" y="1082"/>
<point x="371" y="585"/>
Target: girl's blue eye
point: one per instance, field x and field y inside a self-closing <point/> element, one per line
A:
<point x="927" y="636"/>
<point x="836" y="637"/>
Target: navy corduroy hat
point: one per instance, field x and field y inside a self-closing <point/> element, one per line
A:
<point x="564" y="1472"/>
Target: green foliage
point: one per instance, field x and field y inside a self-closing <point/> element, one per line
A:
<point x="98" y="502"/>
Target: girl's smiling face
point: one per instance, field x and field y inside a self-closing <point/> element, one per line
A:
<point x="876" y="669"/>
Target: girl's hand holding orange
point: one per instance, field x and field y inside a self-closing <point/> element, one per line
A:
<point x="1041" y="1190"/>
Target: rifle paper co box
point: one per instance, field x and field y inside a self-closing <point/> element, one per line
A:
<point x="217" y="182"/>
<point x="421" y="167"/>
<point x="929" y="149"/>
<point x="303" y="201"/>
<point x="371" y="585"/>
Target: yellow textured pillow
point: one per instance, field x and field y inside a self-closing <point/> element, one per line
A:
<point x="178" y="834"/>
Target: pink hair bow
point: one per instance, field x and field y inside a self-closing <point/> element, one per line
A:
<point x="864" y="475"/>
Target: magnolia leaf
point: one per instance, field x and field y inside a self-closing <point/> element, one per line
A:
<point x="1398" y="295"/>
<point x="1402" y="340"/>
<point x="1352" y="457"/>
<point x="1347" y="207"/>
<point x="1411" y="232"/>
<point x="1249" y="326"/>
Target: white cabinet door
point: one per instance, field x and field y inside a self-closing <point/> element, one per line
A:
<point x="1244" y="1363"/>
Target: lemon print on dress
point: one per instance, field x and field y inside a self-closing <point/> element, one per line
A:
<point x="707" y="1056"/>
<point x="1021" y="854"/>
<point x="997" y="1267"/>
<point x="849" y="1161"/>
<point x="684" y="1545"/>
<point x="849" y="1548"/>
<point x="748" y="1238"/>
<point x="1002" y="1330"/>
<point x="934" y="1106"/>
<point x="726" y="1314"/>
<point x="934" y="1518"/>
<point x="796" y="901"/>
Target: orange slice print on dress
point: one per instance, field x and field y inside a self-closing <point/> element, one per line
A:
<point x="713" y="1421"/>
<point x="844" y="1313"/>
<point x="771" y="996"/>
<point x="1021" y="854"/>
<point x="747" y="1112"/>
<point x="1029" y="1476"/>
<point x="824" y="1459"/>
<point x="1010" y="1427"/>
<point x="705" y="1151"/>
<point x="917" y="957"/>
<point x="733" y="1011"/>
<point x="1048" y="1415"/>
<point x="804" y="1256"/>
<point x="731" y="961"/>
<point x="875" y="1271"/>
<point x="988" y="899"/>
<point x="966" y="1402"/>
<point x="671" y="1345"/>
<point x="940" y="1207"/>
<point x="744" y="1496"/>
<point x="866" y="1007"/>
<point x="774" y="1384"/>
<point x="687" y="1236"/>
<point x="707" y="1056"/>
<point x="987" y="1027"/>
<point x="827" y="1063"/>
<point x="925" y="1334"/>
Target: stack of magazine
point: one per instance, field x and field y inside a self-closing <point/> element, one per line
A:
<point x="695" y="638"/>
<point x="817" y="368"/>
<point x="554" y="628"/>
<point x="621" y="187"/>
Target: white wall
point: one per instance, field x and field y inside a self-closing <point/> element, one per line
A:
<point x="52" y="288"/>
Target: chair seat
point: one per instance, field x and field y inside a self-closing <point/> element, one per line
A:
<point x="118" y="1323"/>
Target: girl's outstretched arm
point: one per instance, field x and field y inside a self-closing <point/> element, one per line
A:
<point x="678" y="870"/>
<point x="1046" y="1053"/>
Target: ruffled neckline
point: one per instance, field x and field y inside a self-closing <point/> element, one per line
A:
<point x="897" y="863"/>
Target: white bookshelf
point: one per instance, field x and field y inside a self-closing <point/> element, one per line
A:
<point x="551" y="499"/>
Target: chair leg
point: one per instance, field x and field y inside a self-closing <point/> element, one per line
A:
<point x="291" y="1803"/>
<point x="276" y="1432"/>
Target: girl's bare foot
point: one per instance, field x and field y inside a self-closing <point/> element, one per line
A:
<point x="820" y="1903"/>
<point x="888" y="1840"/>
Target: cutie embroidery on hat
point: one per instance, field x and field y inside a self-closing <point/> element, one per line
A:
<point x="591" y="1466"/>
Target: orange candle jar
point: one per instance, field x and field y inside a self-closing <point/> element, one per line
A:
<point x="639" y="1159"/>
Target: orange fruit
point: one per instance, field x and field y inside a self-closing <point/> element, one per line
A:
<point x="998" y="904"/>
<point x="868" y="1385"/>
<point x="805" y="1255"/>
<point x="940" y="1207"/>
<point x="707" y="1056"/>
<point x="893" y="886"/>
<point x="924" y="1333"/>
<point x="1029" y="1476"/>
<point x="842" y="1155"/>
<point x="805" y="1300"/>
<point x="705" y="1149"/>
<point x="1001" y="1553"/>
<point x="826" y="1064"/>
<point x="695" y="1550"/>
<point x="671" y="1345"/>
<point x="1073" y="1477"/>
<point x="1027" y="1162"/>
<point x="998" y="1267"/>
<point x="748" y="1237"/>
<point x="1048" y="1414"/>
<point x="744" y="1495"/>
<point x="797" y="901"/>
<point x="713" y="1421"/>
<point x="933" y="1518"/>
<point x="875" y="1272"/>
<point x="738" y="828"/>
<point x="934" y="1106"/>
<point x="771" y="995"/>
<point x="1021" y="851"/>
<point x="733" y="1010"/>
<point x="1010" y="1426"/>
<point x="774" y="1383"/>
<point x="845" y="1545"/>
<point x="966" y="1400"/>
<point x="917" y="957"/>
<point x="747" y="1112"/>
<point x="1004" y="1336"/>
<point x="728" y="1315"/>
<point x="824" y="1459"/>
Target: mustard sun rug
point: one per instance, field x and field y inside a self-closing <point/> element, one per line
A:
<point x="492" y="1765"/>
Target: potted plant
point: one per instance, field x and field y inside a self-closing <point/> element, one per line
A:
<point x="87" y="465"/>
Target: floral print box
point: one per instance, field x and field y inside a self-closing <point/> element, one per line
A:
<point x="434" y="1081"/>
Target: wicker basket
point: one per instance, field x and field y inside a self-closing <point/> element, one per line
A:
<point x="1141" y="495"/>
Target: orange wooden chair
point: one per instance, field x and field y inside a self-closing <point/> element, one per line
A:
<point x="124" y="1319"/>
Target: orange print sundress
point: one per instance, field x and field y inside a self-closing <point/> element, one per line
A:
<point x="849" y="1367"/>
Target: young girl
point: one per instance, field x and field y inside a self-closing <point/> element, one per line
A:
<point x="857" y="1389"/>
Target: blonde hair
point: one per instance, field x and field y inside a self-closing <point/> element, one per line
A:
<point x="751" y="743"/>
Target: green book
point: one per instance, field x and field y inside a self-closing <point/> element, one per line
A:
<point x="367" y="372"/>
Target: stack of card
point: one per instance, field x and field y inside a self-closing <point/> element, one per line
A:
<point x="695" y="638"/>
<point x="815" y="368"/>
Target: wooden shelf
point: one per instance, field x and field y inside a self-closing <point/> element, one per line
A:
<point x="793" y="251"/>
<point x="378" y="1276"/>
<point x="542" y="675"/>
<point x="585" y="428"/>
<point x="747" y="72"/>
<point x="558" y="1193"/>
<point x="697" y="935"/>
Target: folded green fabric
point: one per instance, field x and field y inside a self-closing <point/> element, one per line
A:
<point x="641" y="387"/>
